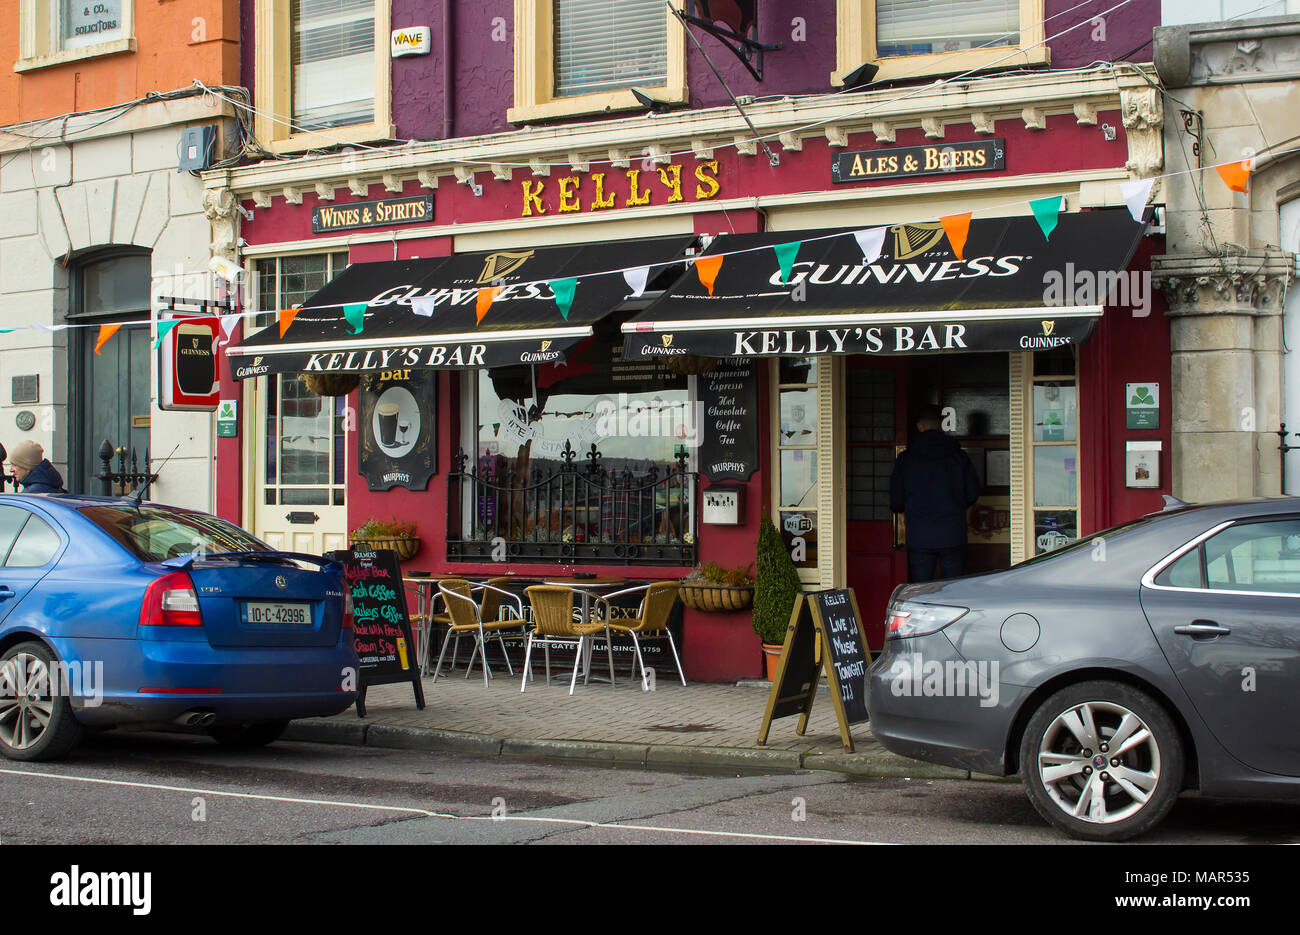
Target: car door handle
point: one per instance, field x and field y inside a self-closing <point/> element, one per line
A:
<point x="6" y="592"/>
<point x="1202" y="630"/>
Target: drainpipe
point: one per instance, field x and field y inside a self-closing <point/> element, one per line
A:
<point x="448" y="72"/>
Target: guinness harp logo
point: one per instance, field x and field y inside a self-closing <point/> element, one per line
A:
<point x="499" y="265"/>
<point x="914" y="239"/>
<point x="546" y="346"/>
<point x="1048" y="327"/>
<point x="667" y="339"/>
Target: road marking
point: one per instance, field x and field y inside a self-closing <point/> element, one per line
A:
<point x="290" y="800"/>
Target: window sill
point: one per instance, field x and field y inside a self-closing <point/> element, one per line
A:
<point x="586" y="104"/>
<point x="336" y="136"/>
<point x="115" y="47"/>
<point x="903" y="67"/>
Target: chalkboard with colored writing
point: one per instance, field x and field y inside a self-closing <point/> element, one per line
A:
<point x="825" y="631"/>
<point x="381" y="627"/>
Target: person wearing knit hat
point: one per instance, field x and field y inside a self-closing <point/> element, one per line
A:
<point x="34" y="473"/>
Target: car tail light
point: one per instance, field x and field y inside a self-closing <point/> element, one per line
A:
<point x="347" y="607"/>
<point x="911" y="618"/>
<point x="171" y="601"/>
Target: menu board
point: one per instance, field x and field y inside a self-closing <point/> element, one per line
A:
<point x="729" y="436"/>
<point x="381" y="627"/>
<point x="825" y="631"/>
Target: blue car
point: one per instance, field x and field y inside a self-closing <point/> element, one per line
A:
<point x="116" y="612"/>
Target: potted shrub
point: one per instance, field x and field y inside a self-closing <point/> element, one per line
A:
<point x="387" y="534"/>
<point x="776" y="585"/>
<point x="718" y="590"/>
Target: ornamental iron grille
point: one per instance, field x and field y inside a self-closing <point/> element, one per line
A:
<point x="578" y="513"/>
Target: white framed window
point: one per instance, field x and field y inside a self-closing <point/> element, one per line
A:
<point x="58" y="31"/>
<point x="287" y="281"/>
<point x="585" y="56"/>
<point x="322" y="73"/>
<point x="911" y="38"/>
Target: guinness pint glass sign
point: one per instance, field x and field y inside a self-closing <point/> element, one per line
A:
<point x="187" y="365"/>
<point x="397" y="428"/>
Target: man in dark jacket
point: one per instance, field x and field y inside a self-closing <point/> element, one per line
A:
<point x="933" y="485"/>
<point x="34" y="473"/>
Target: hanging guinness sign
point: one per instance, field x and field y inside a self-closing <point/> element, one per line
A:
<point x="904" y="161"/>
<point x="187" y="362"/>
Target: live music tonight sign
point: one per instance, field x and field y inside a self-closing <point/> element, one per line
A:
<point x="414" y="209"/>
<point x="904" y="161"/>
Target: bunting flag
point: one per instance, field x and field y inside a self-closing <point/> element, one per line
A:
<point x="40" y="327"/>
<point x="785" y="254"/>
<point x="707" y="268"/>
<point x="287" y="316"/>
<point x="486" y="296"/>
<point x="1136" y="193"/>
<point x="228" y="323"/>
<point x="956" y="226"/>
<point x="422" y="305"/>
<point x="636" y="279"/>
<point x="1046" y="211"/>
<point x="564" y="290"/>
<point x="7" y="330"/>
<point x="164" y="328"/>
<point x="106" y="332"/>
<point x="871" y="242"/>
<point x="355" y="316"/>
<point x="1235" y="174"/>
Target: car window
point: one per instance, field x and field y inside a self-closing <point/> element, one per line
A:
<point x="152" y="534"/>
<point x="11" y="520"/>
<point x="1255" y="557"/>
<point x="35" y="546"/>
<point x="1184" y="573"/>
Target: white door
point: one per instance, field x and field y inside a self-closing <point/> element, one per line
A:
<point x="1289" y="220"/>
<point x="299" y="466"/>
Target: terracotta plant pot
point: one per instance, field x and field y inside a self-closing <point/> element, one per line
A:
<point x="405" y="548"/>
<point x="715" y="598"/>
<point x="772" y="656"/>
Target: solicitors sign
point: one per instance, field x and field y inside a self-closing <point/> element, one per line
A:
<point x="904" y="161"/>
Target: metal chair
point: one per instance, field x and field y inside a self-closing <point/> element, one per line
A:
<point x="467" y="617"/>
<point x="554" y="624"/>
<point x="651" y="621"/>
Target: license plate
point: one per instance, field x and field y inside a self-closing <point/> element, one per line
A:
<point x="274" y="612"/>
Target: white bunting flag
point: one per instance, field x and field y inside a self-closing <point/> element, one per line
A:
<point x="228" y="323"/>
<point x="636" y="278"/>
<point x="1135" y="195"/>
<point x="871" y="242"/>
<point x="422" y="305"/>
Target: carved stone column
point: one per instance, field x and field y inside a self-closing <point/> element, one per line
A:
<point x="220" y="207"/>
<point x="1226" y="342"/>
<point x="1143" y="113"/>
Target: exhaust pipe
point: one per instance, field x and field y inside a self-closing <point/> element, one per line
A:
<point x="196" y="719"/>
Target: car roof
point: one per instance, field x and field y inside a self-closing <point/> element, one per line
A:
<point x="73" y="501"/>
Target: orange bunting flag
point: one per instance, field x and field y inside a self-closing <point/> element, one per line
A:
<point x="286" y="319"/>
<point x="486" y="296"/>
<point x="956" y="226"/>
<point x="707" y="267"/>
<point x="106" y="332"/>
<point x="1235" y="174"/>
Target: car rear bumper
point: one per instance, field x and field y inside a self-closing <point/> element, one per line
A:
<point x="930" y="704"/>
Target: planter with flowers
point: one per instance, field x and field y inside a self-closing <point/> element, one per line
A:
<point x="714" y="589"/>
<point x="391" y="534"/>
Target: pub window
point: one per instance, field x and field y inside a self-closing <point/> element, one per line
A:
<point x="287" y="281"/>
<point x="1054" y="449"/>
<point x="587" y="460"/>
<point x="796" y="455"/>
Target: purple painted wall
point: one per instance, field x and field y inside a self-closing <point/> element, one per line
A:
<point x="482" y="56"/>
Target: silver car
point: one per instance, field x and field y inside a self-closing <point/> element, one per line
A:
<point x="1113" y="673"/>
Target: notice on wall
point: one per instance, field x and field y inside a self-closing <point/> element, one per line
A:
<point x="1142" y="405"/>
<point x="729" y="434"/>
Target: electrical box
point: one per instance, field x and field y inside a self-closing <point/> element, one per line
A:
<point x="723" y="506"/>
<point x="198" y="146"/>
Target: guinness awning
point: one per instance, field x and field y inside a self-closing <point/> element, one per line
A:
<point x="1013" y="290"/>
<point x="524" y="323"/>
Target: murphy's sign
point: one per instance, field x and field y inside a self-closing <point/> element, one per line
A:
<point x="903" y="161"/>
<point x="416" y="209"/>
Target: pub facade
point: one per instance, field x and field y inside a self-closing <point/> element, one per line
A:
<point x="610" y="346"/>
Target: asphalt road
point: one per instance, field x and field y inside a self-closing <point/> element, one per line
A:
<point x="125" y="788"/>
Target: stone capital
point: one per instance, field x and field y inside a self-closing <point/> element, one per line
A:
<point x="1252" y="283"/>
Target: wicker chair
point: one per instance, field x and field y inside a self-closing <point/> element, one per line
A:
<point x="467" y="618"/>
<point x="651" y="621"/>
<point x="554" y="624"/>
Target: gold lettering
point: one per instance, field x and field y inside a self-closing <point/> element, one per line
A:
<point x="858" y="168"/>
<point x="533" y="199"/>
<point x="635" y="197"/>
<point x="672" y="177"/>
<point x="569" y="194"/>
<point x="981" y="157"/>
<point x="601" y="200"/>
<point x="931" y="160"/>
<point x="891" y="164"/>
<point x="701" y="192"/>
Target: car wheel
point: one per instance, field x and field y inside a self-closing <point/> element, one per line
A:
<point x="36" y="719"/>
<point x="248" y="735"/>
<point x="1102" y="761"/>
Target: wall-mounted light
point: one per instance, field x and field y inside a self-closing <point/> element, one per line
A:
<point x="861" y="76"/>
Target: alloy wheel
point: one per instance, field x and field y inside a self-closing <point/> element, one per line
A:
<point x="26" y="703"/>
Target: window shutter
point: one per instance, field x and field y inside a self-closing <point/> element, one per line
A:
<point x="918" y="27"/>
<point x="608" y="45"/>
<point x="333" y="55"/>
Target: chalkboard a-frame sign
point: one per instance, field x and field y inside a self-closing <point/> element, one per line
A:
<point x="381" y="627"/>
<point x="825" y="630"/>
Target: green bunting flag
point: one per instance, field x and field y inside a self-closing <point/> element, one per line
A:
<point x="164" y="326"/>
<point x="785" y="254"/>
<point x="1045" y="213"/>
<point x="564" y="290"/>
<point x="355" y="315"/>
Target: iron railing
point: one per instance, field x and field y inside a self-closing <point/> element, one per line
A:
<point x="122" y="482"/>
<point x="573" y="513"/>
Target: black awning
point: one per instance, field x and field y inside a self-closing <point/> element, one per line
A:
<point x="524" y="323"/>
<point x="1014" y="290"/>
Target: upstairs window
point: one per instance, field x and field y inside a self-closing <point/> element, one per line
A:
<point x="55" y="31"/>
<point x="333" y="50"/>
<point x="924" y="27"/>
<point x="605" y="45"/>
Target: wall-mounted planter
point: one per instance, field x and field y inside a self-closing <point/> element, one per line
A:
<point x="716" y="598"/>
